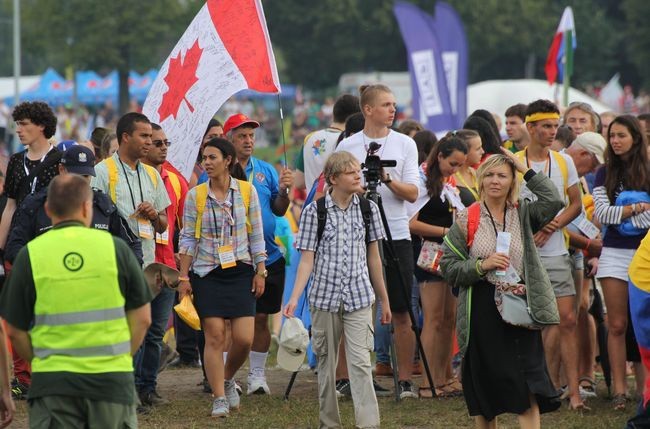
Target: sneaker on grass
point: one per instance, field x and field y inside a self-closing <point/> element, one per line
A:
<point x="257" y="383"/>
<point x="231" y="393"/>
<point x="220" y="407"/>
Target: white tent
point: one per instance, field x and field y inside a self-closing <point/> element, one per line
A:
<point x="497" y="95"/>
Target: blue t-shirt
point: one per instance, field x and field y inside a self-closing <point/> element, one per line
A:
<point x="266" y="182"/>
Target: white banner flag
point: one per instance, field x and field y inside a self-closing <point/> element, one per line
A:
<point x="225" y="49"/>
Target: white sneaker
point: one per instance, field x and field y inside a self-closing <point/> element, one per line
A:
<point x="220" y="407"/>
<point x="257" y="383"/>
<point x="231" y="394"/>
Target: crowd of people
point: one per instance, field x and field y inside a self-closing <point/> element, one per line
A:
<point x="507" y="253"/>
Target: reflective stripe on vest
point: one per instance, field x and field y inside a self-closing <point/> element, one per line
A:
<point x="112" y="350"/>
<point x="80" y="323"/>
<point x="80" y="317"/>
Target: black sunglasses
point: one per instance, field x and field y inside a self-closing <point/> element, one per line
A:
<point x="160" y="143"/>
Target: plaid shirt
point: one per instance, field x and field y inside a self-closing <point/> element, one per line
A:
<point x="204" y="251"/>
<point x="340" y="275"/>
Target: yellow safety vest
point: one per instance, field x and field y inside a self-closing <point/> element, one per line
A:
<point x="80" y="324"/>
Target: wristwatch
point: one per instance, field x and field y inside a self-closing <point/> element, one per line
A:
<point x="387" y="180"/>
<point x="264" y="274"/>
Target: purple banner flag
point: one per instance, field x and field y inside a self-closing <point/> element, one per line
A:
<point x="452" y="40"/>
<point x="430" y="96"/>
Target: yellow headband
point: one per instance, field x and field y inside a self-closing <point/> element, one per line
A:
<point x="541" y="116"/>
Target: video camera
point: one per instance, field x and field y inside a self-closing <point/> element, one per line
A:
<point x="373" y="165"/>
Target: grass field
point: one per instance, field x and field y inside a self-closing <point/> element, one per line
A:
<point x="190" y="408"/>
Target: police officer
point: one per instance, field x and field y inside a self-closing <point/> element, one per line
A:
<point x="32" y="220"/>
<point x="77" y="307"/>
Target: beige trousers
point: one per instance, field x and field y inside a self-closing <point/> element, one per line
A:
<point x="326" y="332"/>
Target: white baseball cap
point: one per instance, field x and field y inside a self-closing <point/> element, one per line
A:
<point x="292" y="348"/>
<point x="593" y="143"/>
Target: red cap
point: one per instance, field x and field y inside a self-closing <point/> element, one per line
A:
<point x="237" y="120"/>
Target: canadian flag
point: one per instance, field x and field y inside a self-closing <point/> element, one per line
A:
<point x="225" y="49"/>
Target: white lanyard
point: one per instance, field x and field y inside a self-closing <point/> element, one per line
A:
<point x="35" y="179"/>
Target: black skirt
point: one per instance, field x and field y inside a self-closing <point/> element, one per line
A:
<point x="224" y="293"/>
<point x="503" y="363"/>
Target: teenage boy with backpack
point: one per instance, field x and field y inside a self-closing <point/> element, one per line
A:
<point x="347" y="275"/>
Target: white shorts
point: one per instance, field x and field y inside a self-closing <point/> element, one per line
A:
<point x="614" y="263"/>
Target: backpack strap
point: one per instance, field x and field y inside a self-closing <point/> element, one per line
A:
<point x="111" y="166"/>
<point x="366" y="212"/>
<point x="473" y="219"/>
<point x="176" y="184"/>
<point x="152" y="174"/>
<point x="113" y="175"/>
<point x="201" y="201"/>
<point x="245" y="190"/>
<point x="321" y="213"/>
<point x="561" y="162"/>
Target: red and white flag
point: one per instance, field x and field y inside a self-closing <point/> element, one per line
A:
<point x="225" y="49"/>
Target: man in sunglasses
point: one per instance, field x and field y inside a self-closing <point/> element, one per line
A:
<point x="147" y="360"/>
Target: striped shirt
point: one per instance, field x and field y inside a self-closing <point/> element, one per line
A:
<point x="611" y="215"/>
<point x="132" y="188"/>
<point x="340" y="276"/>
<point x="214" y="233"/>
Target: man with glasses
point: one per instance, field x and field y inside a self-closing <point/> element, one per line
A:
<point x="147" y="359"/>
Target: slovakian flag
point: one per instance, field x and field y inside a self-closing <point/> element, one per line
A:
<point x="430" y="95"/>
<point x="639" y="295"/>
<point x="225" y="49"/>
<point x="559" y="61"/>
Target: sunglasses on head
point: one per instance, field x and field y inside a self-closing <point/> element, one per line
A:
<point x="160" y="143"/>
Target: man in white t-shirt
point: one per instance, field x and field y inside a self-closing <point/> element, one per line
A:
<point x="399" y="184"/>
<point x="320" y="144"/>
<point x="542" y="120"/>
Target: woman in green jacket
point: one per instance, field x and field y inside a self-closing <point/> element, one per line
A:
<point x="505" y="297"/>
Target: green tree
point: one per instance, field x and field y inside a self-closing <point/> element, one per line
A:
<point x="101" y="35"/>
<point x="637" y="38"/>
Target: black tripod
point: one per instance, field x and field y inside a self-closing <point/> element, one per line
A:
<point x="372" y="194"/>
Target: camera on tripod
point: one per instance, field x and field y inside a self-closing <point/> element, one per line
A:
<point x="373" y="164"/>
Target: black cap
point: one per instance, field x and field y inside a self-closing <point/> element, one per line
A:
<point x="79" y="159"/>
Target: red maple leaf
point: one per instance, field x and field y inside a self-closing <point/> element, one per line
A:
<point x="181" y="76"/>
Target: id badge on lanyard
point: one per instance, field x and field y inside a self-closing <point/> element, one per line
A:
<point x="225" y="250"/>
<point x="145" y="229"/>
<point x="163" y="238"/>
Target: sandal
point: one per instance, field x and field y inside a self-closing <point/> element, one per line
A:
<point x="619" y="401"/>
<point x="587" y="387"/>
<point x="425" y="392"/>
<point x="451" y="389"/>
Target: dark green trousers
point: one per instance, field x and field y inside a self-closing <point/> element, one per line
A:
<point x="54" y="412"/>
